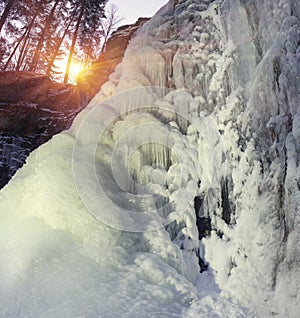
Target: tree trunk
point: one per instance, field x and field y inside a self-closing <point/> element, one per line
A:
<point x="22" y="52"/>
<point x="6" y="13"/>
<point x="35" y="59"/>
<point x="27" y="32"/>
<point x="14" y="50"/>
<point x="72" y="48"/>
<point x="56" y="51"/>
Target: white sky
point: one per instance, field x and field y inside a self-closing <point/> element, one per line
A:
<point x="131" y="10"/>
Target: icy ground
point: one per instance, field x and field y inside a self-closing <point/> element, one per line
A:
<point x="101" y="220"/>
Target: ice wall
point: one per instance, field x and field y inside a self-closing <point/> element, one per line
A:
<point x="259" y="134"/>
<point x="233" y="69"/>
<point x="101" y="220"/>
<point x="262" y="191"/>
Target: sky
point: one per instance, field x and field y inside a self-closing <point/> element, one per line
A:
<point x="131" y="10"/>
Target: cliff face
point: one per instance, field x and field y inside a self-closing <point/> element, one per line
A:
<point x="33" y="108"/>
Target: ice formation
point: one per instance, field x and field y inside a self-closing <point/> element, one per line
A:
<point x="101" y="220"/>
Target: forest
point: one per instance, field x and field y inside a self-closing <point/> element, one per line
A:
<point x="50" y="37"/>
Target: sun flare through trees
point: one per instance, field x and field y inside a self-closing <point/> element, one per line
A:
<point x="54" y="37"/>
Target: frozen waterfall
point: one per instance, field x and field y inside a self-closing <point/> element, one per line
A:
<point x="199" y="125"/>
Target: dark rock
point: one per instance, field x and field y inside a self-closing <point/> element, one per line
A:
<point x="228" y="208"/>
<point x="204" y="227"/>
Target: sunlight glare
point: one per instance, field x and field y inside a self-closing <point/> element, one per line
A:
<point x="75" y="69"/>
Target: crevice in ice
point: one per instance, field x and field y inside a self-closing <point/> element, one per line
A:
<point x="227" y="206"/>
<point x="204" y="229"/>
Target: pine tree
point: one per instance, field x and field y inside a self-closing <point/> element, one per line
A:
<point x="39" y="32"/>
<point x="45" y="29"/>
<point x="57" y="48"/>
<point x="6" y="12"/>
<point x="90" y="14"/>
<point x="25" y="35"/>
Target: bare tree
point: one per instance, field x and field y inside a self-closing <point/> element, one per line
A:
<point x="109" y="24"/>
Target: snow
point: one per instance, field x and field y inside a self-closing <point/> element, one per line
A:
<point x="101" y="219"/>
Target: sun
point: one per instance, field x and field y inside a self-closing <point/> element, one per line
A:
<point x="75" y="69"/>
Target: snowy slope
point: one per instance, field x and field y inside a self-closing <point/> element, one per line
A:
<point x="101" y="221"/>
